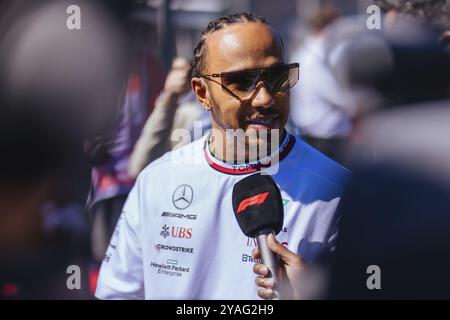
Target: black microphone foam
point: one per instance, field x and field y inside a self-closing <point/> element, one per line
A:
<point x="257" y="205"/>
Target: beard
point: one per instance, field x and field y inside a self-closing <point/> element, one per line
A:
<point x="243" y="145"/>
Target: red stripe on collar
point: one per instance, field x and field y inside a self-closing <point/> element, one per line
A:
<point x="240" y="169"/>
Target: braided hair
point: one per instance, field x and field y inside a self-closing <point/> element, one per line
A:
<point x="200" y="52"/>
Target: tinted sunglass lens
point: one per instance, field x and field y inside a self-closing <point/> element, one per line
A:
<point x="277" y="79"/>
<point x="240" y="84"/>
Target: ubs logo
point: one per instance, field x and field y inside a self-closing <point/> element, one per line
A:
<point x="182" y="196"/>
<point x="176" y="232"/>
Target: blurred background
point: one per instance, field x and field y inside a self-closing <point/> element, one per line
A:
<point x="84" y="110"/>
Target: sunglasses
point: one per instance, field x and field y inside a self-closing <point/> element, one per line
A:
<point x="242" y="84"/>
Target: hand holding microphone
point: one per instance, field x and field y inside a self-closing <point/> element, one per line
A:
<point x="292" y="268"/>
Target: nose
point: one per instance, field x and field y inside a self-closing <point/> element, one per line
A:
<point x="263" y="98"/>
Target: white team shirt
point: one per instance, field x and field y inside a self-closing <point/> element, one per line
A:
<point x="178" y="238"/>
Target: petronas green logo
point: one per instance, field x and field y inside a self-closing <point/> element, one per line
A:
<point x="285" y="202"/>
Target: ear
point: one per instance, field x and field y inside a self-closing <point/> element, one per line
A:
<point x="200" y="89"/>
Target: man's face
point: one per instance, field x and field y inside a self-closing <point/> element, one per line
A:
<point x="238" y="47"/>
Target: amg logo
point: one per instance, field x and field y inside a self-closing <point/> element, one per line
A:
<point x="179" y="215"/>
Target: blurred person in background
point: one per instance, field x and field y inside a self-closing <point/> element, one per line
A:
<point x="57" y="88"/>
<point x="402" y="191"/>
<point x="109" y="154"/>
<point x="176" y="108"/>
<point x="391" y="78"/>
<point x="322" y="107"/>
<point x="435" y="13"/>
<point x="395" y="214"/>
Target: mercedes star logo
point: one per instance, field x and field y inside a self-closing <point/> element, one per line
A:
<point x="182" y="196"/>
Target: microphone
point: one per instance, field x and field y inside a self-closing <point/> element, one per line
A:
<point x="258" y="209"/>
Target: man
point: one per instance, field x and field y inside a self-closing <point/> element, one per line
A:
<point x="177" y="237"/>
<point x="323" y="107"/>
<point x="175" y="108"/>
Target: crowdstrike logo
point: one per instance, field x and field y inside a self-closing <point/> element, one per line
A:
<point x="159" y="247"/>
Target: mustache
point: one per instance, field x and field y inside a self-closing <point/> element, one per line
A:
<point x="268" y="111"/>
<point x="265" y="114"/>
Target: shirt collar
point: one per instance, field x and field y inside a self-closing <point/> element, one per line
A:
<point x="249" y="167"/>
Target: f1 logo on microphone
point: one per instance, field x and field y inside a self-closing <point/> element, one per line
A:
<point x="256" y="199"/>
